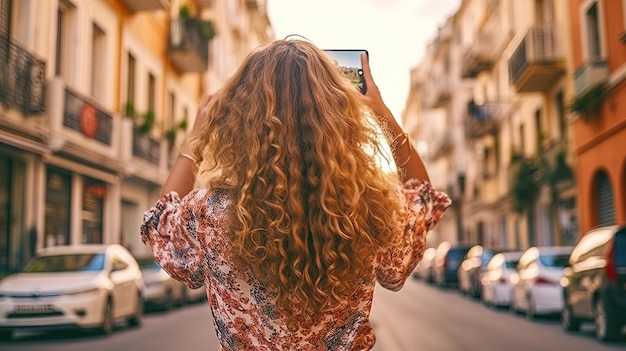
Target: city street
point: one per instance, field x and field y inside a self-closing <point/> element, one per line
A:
<point x="419" y="317"/>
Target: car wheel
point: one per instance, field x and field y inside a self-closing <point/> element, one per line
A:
<point x="568" y="322"/>
<point x="530" y="309"/>
<point x="106" y="327"/>
<point x="607" y="326"/>
<point x="135" y="320"/>
<point x="6" y="335"/>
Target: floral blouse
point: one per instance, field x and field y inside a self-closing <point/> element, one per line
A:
<point x="188" y="240"/>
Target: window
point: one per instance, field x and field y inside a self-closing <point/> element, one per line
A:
<point x="171" y="122"/>
<point x="130" y="80"/>
<point x="538" y="128"/>
<point x="5" y="16"/>
<point x="605" y="199"/>
<point x="94" y="193"/>
<point x="98" y="60"/>
<point x="151" y="93"/>
<point x="592" y="31"/>
<point x="543" y="11"/>
<point x="57" y="216"/>
<point x="64" y="32"/>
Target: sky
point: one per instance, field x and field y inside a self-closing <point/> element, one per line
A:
<point x="394" y="32"/>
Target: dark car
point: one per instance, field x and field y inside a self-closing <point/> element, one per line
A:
<point x="594" y="283"/>
<point x="447" y="260"/>
<point x="473" y="266"/>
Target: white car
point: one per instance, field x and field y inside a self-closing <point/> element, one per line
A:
<point x="164" y="292"/>
<point x="84" y="286"/>
<point x="496" y="280"/>
<point x="537" y="289"/>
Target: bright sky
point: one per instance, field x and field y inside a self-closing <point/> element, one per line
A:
<point x="395" y="32"/>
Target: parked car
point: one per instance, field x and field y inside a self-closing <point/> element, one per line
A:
<point x="496" y="280"/>
<point x="84" y="286"/>
<point x="446" y="263"/>
<point x="472" y="267"/>
<point x="537" y="290"/>
<point x="594" y="283"/>
<point x="162" y="291"/>
<point x="423" y="270"/>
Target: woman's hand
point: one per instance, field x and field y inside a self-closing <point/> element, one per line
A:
<point x="372" y="96"/>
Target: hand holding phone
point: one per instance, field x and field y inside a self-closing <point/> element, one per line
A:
<point x="349" y="61"/>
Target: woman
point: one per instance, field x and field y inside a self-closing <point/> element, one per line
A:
<point x="294" y="222"/>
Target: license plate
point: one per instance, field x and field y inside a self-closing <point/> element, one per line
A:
<point x="33" y="308"/>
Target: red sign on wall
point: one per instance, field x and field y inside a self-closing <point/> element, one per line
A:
<point x="88" y="120"/>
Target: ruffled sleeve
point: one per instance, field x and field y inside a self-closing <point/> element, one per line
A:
<point x="170" y="228"/>
<point x="423" y="207"/>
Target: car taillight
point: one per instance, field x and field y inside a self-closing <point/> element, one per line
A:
<point x="544" y="281"/>
<point x="611" y="272"/>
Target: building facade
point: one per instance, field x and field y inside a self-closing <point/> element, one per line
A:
<point x="598" y="29"/>
<point x="496" y="80"/>
<point x="95" y="99"/>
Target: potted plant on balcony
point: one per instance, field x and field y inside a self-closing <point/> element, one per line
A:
<point x="587" y="104"/>
<point x="143" y="121"/>
<point x="171" y="133"/>
<point x="205" y="27"/>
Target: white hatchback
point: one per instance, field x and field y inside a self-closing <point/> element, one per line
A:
<point x="537" y="289"/>
<point x="84" y="286"/>
<point x="496" y="280"/>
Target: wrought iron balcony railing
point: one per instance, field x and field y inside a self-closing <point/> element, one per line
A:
<point x="22" y="78"/>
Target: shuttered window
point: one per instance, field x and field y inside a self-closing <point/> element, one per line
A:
<point x="5" y="15"/>
<point x="606" y="203"/>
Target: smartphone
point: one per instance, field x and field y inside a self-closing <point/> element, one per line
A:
<point x="349" y="60"/>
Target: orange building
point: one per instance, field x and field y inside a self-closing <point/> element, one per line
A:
<point x="598" y="30"/>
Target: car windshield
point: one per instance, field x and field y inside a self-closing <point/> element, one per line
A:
<point x="554" y="260"/>
<point x="66" y="263"/>
<point x="148" y="263"/>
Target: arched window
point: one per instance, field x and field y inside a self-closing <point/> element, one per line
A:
<point x="605" y="205"/>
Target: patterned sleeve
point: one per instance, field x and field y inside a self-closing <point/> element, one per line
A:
<point x="424" y="207"/>
<point x="170" y="229"/>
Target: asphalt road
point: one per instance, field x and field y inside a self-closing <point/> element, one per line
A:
<point x="419" y="317"/>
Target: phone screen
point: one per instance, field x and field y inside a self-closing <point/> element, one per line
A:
<point x="350" y="63"/>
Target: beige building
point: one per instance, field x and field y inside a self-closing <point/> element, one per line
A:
<point x="493" y="93"/>
<point x="95" y="97"/>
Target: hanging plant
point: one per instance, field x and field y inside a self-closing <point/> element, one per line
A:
<point x="587" y="105"/>
<point x="526" y="184"/>
<point x="171" y="133"/>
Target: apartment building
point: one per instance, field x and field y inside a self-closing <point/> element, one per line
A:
<point x="598" y="30"/>
<point x="95" y="97"/>
<point x="500" y="136"/>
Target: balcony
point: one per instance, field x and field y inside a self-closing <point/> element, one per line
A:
<point x="590" y="74"/>
<point x="482" y="120"/>
<point x="144" y="155"/>
<point x="188" y="49"/>
<point x="22" y="78"/>
<point x="438" y="93"/>
<point x="81" y="127"/>
<point x="482" y="55"/>
<point x="146" y="5"/>
<point x="538" y="61"/>
<point x="443" y="146"/>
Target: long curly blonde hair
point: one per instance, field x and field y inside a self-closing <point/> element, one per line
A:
<point x="290" y="139"/>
